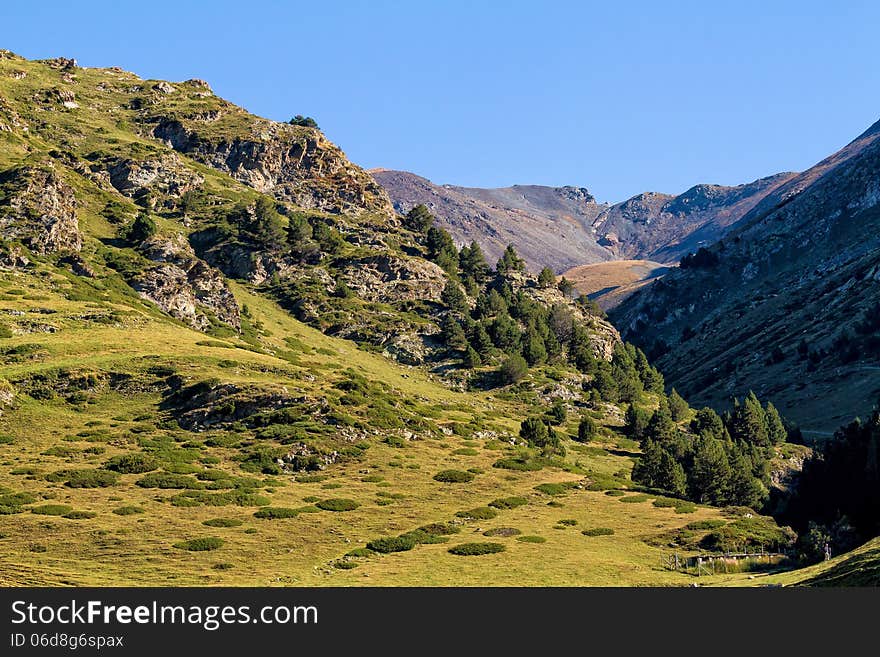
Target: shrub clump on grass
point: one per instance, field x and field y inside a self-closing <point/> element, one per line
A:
<point x="615" y="493"/>
<point x="453" y="476"/>
<point x="80" y="515"/>
<point x="132" y="463"/>
<point x="686" y="507"/>
<point x="531" y="539"/>
<point x="520" y="464"/>
<point x="598" y="531"/>
<point x="128" y="510"/>
<point x="555" y="488"/>
<point x="635" y="499"/>
<point x="508" y="502"/>
<point x="390" y="544"/>
<point x="424" y="538"/>
<point x="337" y="504"/>
<point x="169" y="480"/>
<point x="85" y="478"/>
<point x="479" y="513"/>
<point x="52" y="509"/>
<point x="200" y="544"/>
<point x="476" y="549"/>
<point x="360" y="552"/>
<point x="440" y="529"/>
<point x="344" y="564"/>
<point x="273" y="512"/>
<point x="666" y="503"/>
<point x="568" y="522"/>
<point x="222" y="522"/>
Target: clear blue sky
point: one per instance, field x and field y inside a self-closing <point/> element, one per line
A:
<point x="620" y="97"/>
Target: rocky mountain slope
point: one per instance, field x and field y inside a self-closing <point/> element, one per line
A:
<point x="563" y="227"/>
<point x="786" y="303"/>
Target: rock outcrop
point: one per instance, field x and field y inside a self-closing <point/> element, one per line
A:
<point x="294" y="164"/>
<point x="390" y="279"/>
<point x="165" y="175"/>
<point x="185" y="286"/>
<point x="39" y="210"/>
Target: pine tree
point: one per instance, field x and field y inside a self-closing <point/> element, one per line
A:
<point x="636" y="422"/>
<point x="140" y="229"/>
<point x="710" y="473"/>
<point x="472" y="262"/>
<point x="481" y="341"/>
<point x="677" y="406"/>
<point x="776" y="432"/>
<point x="742" y="487"/>
<point x="454" y="297"/>
<point x="662" y="428"/>
<point x="747" y="422"/>
<point x="565" y="286"/>
<point x="586" y="429"/>
<point x="707" y="422"/>
<point x="419" y="219"/>
<point x="441" y="249"/>
<point x="546" y="278"/>
<point x="452" y="334"/>
<point x="265" y="227"/>
<point x="471" y="358"/>
<point x="299" y="230"/>
<point x="513" y="369"/>
<point x="533" y="348"/>
<point x="670" y="475"/>
<point x="510" y="262"/>
<point x="647" y="469"/>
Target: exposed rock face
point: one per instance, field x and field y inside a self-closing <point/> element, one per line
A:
<point x="39" y="210"/>
<point x="165" y="174"/>
<point x="789" y="309"/>
<point x="227" y="402"/>
<point x="182" y="285"/>
<point x="10" y="120"/>
<point x="391" y="279"/>
<point x="295" y="164"/>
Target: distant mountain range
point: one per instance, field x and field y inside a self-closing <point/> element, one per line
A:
<point x="563" y="227"/>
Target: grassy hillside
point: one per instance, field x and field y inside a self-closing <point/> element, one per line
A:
<point x="224" y="359"/>
<point x="609" y="283"/>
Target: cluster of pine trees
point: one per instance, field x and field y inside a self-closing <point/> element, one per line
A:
<point x="837" y="499"/>
<point x="511" y="326"/>
<point x="720" y="460"/>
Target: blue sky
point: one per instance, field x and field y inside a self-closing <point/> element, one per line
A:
<point x="620" y="97"/>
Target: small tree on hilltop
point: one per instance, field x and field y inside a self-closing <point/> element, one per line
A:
<point x="546" y="278"/>
<point x="566" y="287"/>
<point x="304" y="121"/>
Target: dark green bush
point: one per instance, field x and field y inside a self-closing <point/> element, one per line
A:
<point x="598" y="531"/>
<point x="337" y="504"/>
<point x="635" y="499"/>
<point x="475" y="549"/>
<point x="80" y="515"/>
<point x="273" y="512"/>
<point x="90" y="478"/>
<point x="128" y="510"/>
<point x="392" y="544"/>
<point x="132" y="463"/>
<point x="555" y="488"/>
<point x="200" y="544"/>
<point x="454" y="476"/>
<point x="52" y="509"/>
<point x="479" y="513"/>
<point x="440" y="529"/>
<point x="531" y="539"/>
<point x="169" y="480"/>
<point x="222" y="522"/>
<point x="508" y="502"/>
